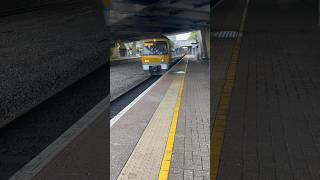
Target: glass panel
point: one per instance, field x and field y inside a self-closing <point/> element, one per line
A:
<point x="155" y="48"/>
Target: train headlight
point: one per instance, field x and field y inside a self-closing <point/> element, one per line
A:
<point x="146" y="60"/>
<point x="162" y="60"/>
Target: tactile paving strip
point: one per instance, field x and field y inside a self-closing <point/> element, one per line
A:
<point x="145" y="160"/>
<point x="225" y="34"/>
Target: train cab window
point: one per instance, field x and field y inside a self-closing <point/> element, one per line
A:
<point x="155" y="48"/>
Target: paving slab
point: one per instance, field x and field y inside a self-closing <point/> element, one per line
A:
<point x="226" y="17"/>
<point x="191" y="151"/>
<point x="145" y="160"/>
<point x="126" y="132"/>
<point x="138" y="139"/>
<point x="271" y="128"/>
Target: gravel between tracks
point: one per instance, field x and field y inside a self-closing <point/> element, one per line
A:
<point x="44" y="51"/>
<point x="124" y="76"/>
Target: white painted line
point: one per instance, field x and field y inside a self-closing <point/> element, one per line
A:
<point x="129" y="89"/>
<point x="180" y="72"/>
<point x="123" y="111"/>
<point x="33" y="167"/>
<point x="127" y="108"/>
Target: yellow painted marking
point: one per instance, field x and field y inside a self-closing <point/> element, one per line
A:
<point x="165" y="165"/>
<point x="146" y="160"/>
<point x="106" y="3"/>
<point x="217" y="134"/>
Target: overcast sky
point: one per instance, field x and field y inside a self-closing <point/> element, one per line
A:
<point x="183" y="36"/>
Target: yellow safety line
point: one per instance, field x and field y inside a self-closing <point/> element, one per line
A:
<point x="165" y="164"/>
<point x="217" y="134"/>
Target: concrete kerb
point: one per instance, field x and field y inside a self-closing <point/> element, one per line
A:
<point x="33" y="167"/>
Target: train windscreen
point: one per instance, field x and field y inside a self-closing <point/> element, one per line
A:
<point x="155" y="48"/>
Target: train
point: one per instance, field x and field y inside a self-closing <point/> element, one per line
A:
<point x="159" y="54"/>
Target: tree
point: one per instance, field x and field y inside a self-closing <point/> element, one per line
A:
<point x="193" y="36"/>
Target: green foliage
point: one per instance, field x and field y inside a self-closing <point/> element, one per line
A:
<point x="193" y="36"/>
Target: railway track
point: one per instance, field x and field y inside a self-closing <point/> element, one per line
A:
<point x="125" y="99"/>
<point x="28" y="135"/>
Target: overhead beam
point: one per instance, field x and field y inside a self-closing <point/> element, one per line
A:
<point x="144" y="27"/>
<point x="173" y="1"/>
<point x="186" y="5"/>
<point x="159" y="16"/>
<point x="201" y="4"/>
<point x="131" y="30"/>
<point x="180" y="13"/>
<point x="165" y="19"/>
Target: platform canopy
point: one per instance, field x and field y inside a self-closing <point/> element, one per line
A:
<point x="139" y="19"/>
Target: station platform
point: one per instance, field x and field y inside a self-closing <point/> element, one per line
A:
<point x="78" y="154"/>
<point x="266" y="121"/>
<point x="164" y="133"/>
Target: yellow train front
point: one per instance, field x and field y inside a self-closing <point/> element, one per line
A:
<point x="156" y="56"/>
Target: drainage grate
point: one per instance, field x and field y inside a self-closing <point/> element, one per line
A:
<point x="225" y="34"/>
